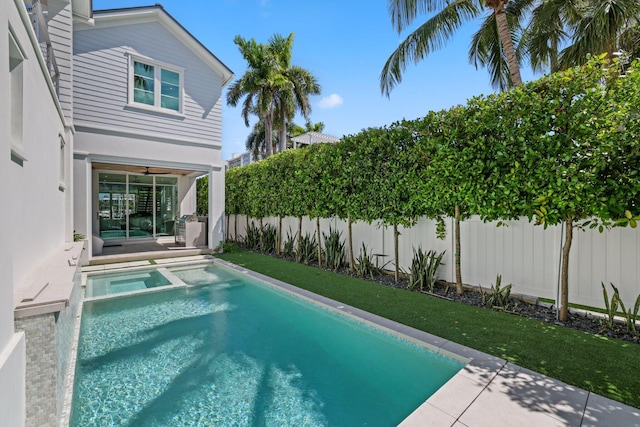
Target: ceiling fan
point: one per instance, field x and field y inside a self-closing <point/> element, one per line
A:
<point x="147" y="172"/>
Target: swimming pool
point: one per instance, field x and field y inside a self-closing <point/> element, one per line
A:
<point x="228" y="350"/>
<point x="114" y="283"/>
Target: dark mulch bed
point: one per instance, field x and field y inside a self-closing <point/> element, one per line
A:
<point x="472" y="296"/>
<point x="583" y="322"/>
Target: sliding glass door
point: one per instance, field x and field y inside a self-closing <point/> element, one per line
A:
<point x="132" y="206"/>
<point x="140" y="218"/>
<point x="166" y="205"/>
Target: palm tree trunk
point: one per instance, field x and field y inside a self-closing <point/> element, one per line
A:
<point x="283" y="133"/>
<point x="457" y="254"/>
<point x="505" y="38"/>
<point x="268" y="132"/>
<point x="564" y="272"/>
<point x="554" y="56"/>
<point x="235" y="220"/>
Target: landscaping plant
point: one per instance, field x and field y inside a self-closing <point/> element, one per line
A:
<point x="269" y="239"/>
<point x="424" y="269"/>
<point x="252" y="240"/>
<point x="364" y="265"/>
<point x="498" y="296"/>
<point x="308" y="250"/>
<point x="334" y="250"/>
<point x="630" y="316"/>
<point x="288" y="249"/>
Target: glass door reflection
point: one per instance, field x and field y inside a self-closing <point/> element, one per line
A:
<point x="112" y="206"/>
<point x="140" y="206"/>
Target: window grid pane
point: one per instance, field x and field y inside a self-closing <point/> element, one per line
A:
<point x="144" y="80"/>
<point x="170" y="103"/>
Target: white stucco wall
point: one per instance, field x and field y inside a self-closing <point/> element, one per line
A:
<point x="37" y="208"/>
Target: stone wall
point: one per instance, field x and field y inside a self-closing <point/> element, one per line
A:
<point x="49" y="341"/>
<point x="65" y="328"/>
<point x="41" y="370"/>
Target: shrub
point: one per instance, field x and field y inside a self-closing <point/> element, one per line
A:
<point x="269" y="239"/>
<point x="499" y="296"/>
<point x="424" y="269"/>
<point x="288" y="249"/>
<point x="334" y="250"/>
<point x="364" y="265"/>
<point x="252" y="240"/>
<point x="308" y="253"/>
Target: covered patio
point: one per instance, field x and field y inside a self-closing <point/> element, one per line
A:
<point x="162" y="248"/>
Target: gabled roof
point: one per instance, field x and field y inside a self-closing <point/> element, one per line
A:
<point x="314" y="138"/>
<point x="156" y="13"/>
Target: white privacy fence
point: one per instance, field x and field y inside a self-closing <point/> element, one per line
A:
<point x="526" y="255"/>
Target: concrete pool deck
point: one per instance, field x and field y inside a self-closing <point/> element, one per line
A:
<point x="488" y="391"/>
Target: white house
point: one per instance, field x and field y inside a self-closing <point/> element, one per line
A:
<point x="147" y="113"/>
<point x="106" y="121"/>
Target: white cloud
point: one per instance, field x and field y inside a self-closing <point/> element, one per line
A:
<point x="331" y="101"/>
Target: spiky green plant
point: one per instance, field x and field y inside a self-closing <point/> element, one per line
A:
<point x="611" y="307"/>
<point x="308" y="252"/>
<point x="334" y="250"/>
<point x="252" y="240"/>
<point x="499" y="295"/>
<point x="630" y="316"/>
<point x="424" y="269"/>
<point x="364" y="265"/>
<point x="289" y="248"/>
<point x="269" y="239"/>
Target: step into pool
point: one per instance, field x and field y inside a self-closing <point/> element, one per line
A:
<point x="115" y="283"/>
<point x="229" y="350"/>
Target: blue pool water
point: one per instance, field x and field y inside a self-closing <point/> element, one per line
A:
<point x="239" y="353"/>
<point x="114" y="283"/>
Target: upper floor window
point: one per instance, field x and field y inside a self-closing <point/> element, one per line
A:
<point x="155" y="85"/>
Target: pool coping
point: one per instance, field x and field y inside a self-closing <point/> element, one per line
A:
<point x="487" y="391"/>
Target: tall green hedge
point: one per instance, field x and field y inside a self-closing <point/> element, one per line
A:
<point x="562" y="149"/>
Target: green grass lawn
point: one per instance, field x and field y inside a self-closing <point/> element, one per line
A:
<point x="608" y="367"/>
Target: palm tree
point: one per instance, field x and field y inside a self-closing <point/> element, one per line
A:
<point x="599" y="30"/>
<point x="259" y="85"/>
<point x="438" y="29"/>
<point x="585" y="26"/>
<point x="549" y="27"/>
<point x="294" y="93"/>
<point x="255" y="142"/>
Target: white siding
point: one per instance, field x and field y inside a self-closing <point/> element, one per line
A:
<point x="60" y="31"/>
<point x="101" y="79"/>
<point x="34" y="209"/>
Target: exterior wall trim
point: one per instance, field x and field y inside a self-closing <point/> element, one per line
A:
<point x="88" y="127"/>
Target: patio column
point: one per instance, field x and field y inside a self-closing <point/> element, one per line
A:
<point x="216" y="206"/>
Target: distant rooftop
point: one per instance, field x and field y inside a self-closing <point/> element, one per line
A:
<point x="314" y="138"/>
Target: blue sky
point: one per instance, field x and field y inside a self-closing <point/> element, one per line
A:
<point x="345" y="44"/>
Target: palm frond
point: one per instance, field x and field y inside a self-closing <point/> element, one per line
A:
<point x="404" y="12"/>
<point x="486" y="51"/>
<point x="597" y="30"/>
<point x="430" y="36"/>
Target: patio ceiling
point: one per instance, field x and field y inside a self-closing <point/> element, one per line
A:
<point x="144" y="170"/>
